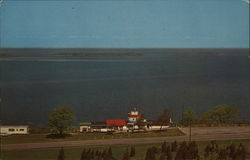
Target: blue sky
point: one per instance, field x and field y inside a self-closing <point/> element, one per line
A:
<point x="125" y="24"/>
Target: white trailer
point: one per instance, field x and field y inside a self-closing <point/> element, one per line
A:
<point x="15" y="129"/>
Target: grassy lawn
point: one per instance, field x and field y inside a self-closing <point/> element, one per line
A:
<point x="33" y="138"/>
<point x="73" y="153"/>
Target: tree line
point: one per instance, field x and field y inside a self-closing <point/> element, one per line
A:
<point x="172" y="151"/>
<point x="95" y="154"/>
<point x="219" y="115"/>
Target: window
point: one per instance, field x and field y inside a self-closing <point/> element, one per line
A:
<point x="11" y="129"/>
<point x="21" y="129"/>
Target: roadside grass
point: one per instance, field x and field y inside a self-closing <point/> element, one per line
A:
<point x="74" y="153"/>
<point x="35" y="138"/>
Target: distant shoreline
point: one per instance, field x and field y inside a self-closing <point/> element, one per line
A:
<point x="113" y="52"/>
<point x="99" y="54"/>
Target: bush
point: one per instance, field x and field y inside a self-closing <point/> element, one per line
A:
<point x="39" y="130"/>
<point x="58" y="136"/>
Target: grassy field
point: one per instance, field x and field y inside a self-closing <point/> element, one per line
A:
<point x="73" y="153"/>
<point x="33" y="138"/>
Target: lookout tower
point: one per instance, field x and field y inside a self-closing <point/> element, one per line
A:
<point x="133" y="115"/>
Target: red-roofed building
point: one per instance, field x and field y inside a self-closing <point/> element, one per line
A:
<point x="115" y="123"/>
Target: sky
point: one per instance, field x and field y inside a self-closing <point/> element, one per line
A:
<point x="125" y="23"/>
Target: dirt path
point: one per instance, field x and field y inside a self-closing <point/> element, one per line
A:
<point x="198" y="134"/>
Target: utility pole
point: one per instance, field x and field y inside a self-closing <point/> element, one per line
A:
<point x="182" y="113"/>
<point x="190" y="131"/>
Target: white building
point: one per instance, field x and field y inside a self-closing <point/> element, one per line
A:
<point x="85" y="127"/>
<point x="133" y="116"/>
<point x="8" y="130"/>
<point x="157" y="128"/>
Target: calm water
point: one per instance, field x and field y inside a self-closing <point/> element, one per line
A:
<point x="107" y="87"/>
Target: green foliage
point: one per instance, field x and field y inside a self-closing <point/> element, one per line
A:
<point x="92" y="154"/>
<point x="110" y="153"/>
<point x="164" y="118"/>
<point x="60" y="119"/>
<point x="141" y="122"/>
<point x="170" y="156"/>
<point x="220" y="115"/>
<point x="151" y="153"/>
<point x="163" y="156"/>
<point x="164" y="147"/>
<point x="61" y="154"/>
<point x="174" y="146"/>
<point x="188" y="117"/>
<point x="83" y="154"/>
<point x="96" y="151"/>
<point x="39" y="130"/>
<point x="132" y="151"/>
<point x="126" y="155"/>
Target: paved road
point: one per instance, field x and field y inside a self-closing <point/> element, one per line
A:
<point x="198" y="134"/>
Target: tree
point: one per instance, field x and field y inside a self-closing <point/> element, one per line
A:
<point x="164" y="118"/>
<point x="141" y="122"/>
<point x="163" y="156"/>
<point x="110" y="153"/>
<point x="83" y="154"/>
<point x="241" y="152"/>
<point x="164" y="147"/>
<point x="220" y="115"/>
<point x="60" y="119"/>
<point x="170" y="156"/>
<point x="132" y="151"/>
<point x="126" y="155"/>
<point x="174" y="146"/>
<point x="104" y="153"/>
<point x="61" y="154"/>
<point x="188" y="117"/>
<point x="150" y="154"/>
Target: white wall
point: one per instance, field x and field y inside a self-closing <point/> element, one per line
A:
<point x="158" y="127"/>
<point x="134" y="113"/>
<point x="84" y="128"/>
<point x="13" y="130"/>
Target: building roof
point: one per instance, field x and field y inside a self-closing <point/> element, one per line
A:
<point x="85" y="124"/>
<point x="134" y="116"/>
<point x="98" y="124"/>
<point x="1" y="126"/>
<point x="117" y="122"/>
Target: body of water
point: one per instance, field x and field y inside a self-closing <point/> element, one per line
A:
<point x="34" y="81"/>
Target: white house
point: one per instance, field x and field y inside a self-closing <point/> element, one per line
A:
<point x="19" y="129"/>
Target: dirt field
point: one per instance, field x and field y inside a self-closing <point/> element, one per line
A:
<point x="198" y="134"/>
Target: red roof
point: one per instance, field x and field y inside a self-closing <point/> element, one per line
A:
<point x="115" y="122"/>
<point x="134" y="116"/>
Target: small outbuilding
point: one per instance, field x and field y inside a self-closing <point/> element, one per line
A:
<point x="85" y="127"/>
